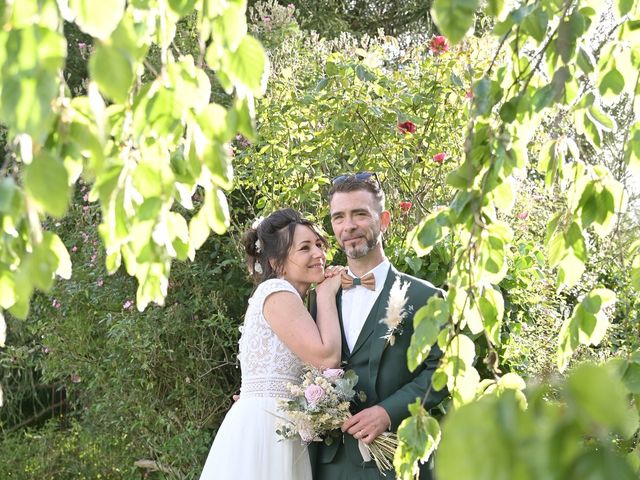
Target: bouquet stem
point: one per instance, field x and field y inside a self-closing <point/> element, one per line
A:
<point x="382" y="450"/>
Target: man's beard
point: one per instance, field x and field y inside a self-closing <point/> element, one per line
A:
<point x="360" y="251"/>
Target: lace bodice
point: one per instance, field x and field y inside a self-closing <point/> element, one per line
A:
<point x="266" y="363"/>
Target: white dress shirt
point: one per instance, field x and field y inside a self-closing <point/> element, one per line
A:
<point x="357" y="302"/>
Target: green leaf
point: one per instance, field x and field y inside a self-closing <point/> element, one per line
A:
<point x="98" y="19"/>
<point x="632" y="150"/>
<point x="549" y="162"/>
<point x="585" y="61"/>
<point x="491" y="306"/>
<point x="613" y="82"/>
<point x="603" y="121"/>
<point x="199" y="228"/>
<point x="544" y="97"/>
<point x="535" y="24"/>
<point x="494" y="7"/>
<point x="429" y="232"/>
<point x="631" y="378"/>
<point x="110" y="68"/>
<point x="491" y="263"/>
<point x="454" y="17"/>
<point x="623" y="7"/>
<point x="568" y="33"/>
<point x="601" y="398"/>
<point x="462" y="348"/>
<point x="182" y="7"/>
<point x="427" y="323"/>
<point x="635" y="272"/>
<point x="30" y="76"/>
<point x="217" y="210"/>
<point x="509" y="110"/>
<point x="8" y="193"/>
<point x="587" y="324"/>
<point x="3" y="338"/>
<point x="229" y="28"/>
<point x="418" y="437"/>
<point x="503" y="195"/>
<point x="247" y="67"/>
<point x="59" y="253"/>
<point x="46" y="183"/>
<point x="244" y="113"/>
<point x="7" y="289"/>
<point x="460" y="177"/>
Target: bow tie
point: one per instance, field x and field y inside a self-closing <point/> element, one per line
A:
<point x="367" y="281"/>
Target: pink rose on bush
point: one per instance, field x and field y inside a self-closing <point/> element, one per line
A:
<point x="313" y="394"/>
<point x="333" y="373"/>
<point x="439" y="157"/>
<point x="439" y="45"/>
<point x="405" y="207"/>
<point x="407" y="127"/>
<point x="523" y="215"/>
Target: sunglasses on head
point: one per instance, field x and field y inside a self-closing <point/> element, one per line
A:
<point x="360" y="176"/>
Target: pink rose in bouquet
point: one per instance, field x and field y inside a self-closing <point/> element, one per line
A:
<point x="313" y="394"/>
<point x="333" y="373"/>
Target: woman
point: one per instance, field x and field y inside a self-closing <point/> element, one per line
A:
<point x="285" y="254"/>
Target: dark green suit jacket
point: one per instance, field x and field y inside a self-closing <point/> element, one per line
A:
<point x="383" y="376"/>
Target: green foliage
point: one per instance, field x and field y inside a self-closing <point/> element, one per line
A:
<point x="331" y="18"/>
<point x="145" y="142"/>
<point x="496" y="437"/>
<point x="129" y="386"/>
<point x="418" y="436"/>
<point x="450" y="134"/>
<point x="455" y="18"/>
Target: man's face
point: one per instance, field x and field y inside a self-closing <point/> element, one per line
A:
<point x="356" y="222"/>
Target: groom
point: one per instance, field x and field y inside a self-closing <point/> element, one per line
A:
<point x="359" y="219"/>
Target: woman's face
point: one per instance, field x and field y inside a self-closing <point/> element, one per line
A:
<point x="305" y="263"/>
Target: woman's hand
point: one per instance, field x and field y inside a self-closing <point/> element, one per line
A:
<point x="331" y="282"/>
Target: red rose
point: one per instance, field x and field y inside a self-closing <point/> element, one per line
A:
<point x="439" y="45"/>
<point x="405" y="206"/>
<point x="407" y="127"/>
<point x="439" y="157"/>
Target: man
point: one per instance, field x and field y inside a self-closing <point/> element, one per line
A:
<point x="359" y="220"/>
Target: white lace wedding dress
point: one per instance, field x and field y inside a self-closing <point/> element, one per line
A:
<point x="246" y="446"/>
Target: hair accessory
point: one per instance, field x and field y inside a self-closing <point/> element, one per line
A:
<point x="257" y="268"/>
<point x="256" y="223"/>
<point x="258" y="246"/>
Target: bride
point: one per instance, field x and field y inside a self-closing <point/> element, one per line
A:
<point x="285" y="254"/>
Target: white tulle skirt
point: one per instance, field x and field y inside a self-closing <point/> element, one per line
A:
<point x="246" y="446"/>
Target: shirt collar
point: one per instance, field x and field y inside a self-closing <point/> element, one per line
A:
<point x="380" y="272"/>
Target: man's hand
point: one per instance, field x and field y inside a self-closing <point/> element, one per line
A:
<point x="367" y="424"/>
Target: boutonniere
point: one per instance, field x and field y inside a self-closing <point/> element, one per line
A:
<point x="396" y="311"/>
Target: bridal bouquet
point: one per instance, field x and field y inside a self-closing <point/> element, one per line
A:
<point x="319" y="405"/>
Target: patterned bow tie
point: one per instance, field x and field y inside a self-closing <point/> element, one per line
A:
<point x="367" y="281"/>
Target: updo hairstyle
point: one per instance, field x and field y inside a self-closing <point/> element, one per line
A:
<point x="271" y="239"/>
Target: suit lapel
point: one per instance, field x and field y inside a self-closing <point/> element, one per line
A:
<point x="345" y="347"/>
<point x="378" y="344"/>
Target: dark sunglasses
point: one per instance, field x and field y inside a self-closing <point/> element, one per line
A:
<point x="360" y="176"/>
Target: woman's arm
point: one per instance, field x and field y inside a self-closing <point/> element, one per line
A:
<point x="315" y="342"/>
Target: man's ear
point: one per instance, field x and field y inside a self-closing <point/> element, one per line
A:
<point x="385" y="220"/>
